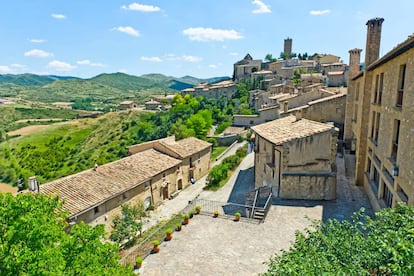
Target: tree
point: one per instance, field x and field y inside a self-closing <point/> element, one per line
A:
<point x="270" y="58"/>
<point x="128" y="225"/>
<point x="362" y="246"/>
<point x="33" y="240"/>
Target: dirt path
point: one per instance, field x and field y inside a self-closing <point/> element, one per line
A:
<point x="4" y="188"/>
<point x="27" y="130"/>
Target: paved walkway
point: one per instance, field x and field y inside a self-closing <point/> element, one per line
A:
<point x="220" y="246"/>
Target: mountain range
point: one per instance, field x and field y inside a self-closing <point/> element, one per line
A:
<point x="109" y="87"/>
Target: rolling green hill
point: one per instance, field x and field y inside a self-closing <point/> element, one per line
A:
<point x="104" y="88"/>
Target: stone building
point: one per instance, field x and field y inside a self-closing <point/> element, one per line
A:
<point x="380" y="119"/>
<point x="244" y="68"/>
<point x="296" y="157"/>
<point x="224" y="89"/>
<point x="153" y="105"/>
<point x="154" y="172"/>
<point x="287" y="47"/>
<point x="125" y="105"/>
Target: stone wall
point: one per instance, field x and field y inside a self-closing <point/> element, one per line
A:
<point x="308" y="186"/>
<point x="265" y="115"/>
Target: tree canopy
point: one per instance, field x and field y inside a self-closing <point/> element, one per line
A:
<point x="362" y="246"/>
<point x="33" y="241"/>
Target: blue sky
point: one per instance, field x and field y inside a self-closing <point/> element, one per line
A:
<point x="201" y="38"/>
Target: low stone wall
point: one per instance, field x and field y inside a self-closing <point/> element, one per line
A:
<point x="310" y="186"/>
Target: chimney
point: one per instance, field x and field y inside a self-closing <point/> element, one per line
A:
<point x="285" y="106"/>
<point x="373" y="40"/>
<point x="354" y="62"/>
<point x="33" y="184"/>
<point x="298" y="114"/>
<point x="95" y="166"/>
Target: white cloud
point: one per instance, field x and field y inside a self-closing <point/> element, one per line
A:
<point x="127" y="30"/>
<point x="261" y="7"/>
<point x="213" y="66"/>
<point x="234" y="54"/>
<point x="18" y="66"/>
<point x="58" y="16"/>
<point x="60" y="66"/>
<point x="151" y="59"/>
<point x="209" y="34"/>
<point x="38" y="40"/>
<point x="90" y="63"/>
<point x="319" y="12"/>
<point x="37" y="53"/>
<point x="141" y="7"/>
<point x="191" y="58"/>
<point x="4" y="69"/>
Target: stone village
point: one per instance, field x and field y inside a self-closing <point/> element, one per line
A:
<point x="359" y="112"/>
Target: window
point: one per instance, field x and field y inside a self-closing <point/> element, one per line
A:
<point x="403" y="195"/>
<point x="357" y="92"/>
<point x="124" y="196"/>
<point x="96" y="209"/>
<point x="377" y="124"/>
<point x="373" y="125"/>
<point x="387" y="195"/>
<point x="369" y="166"/>
<point x="401" y="82"/>
<point x="375" y="181"/>
<point x="376" y="88"/>
<point x="381" y="88"/>
<point x="355" y="112"/>
<point x="396" y="134"/>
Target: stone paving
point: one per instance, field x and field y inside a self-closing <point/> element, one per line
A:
<point x="220" y="246"/>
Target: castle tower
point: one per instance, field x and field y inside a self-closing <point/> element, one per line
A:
<point x="354" y="62"/>
<point x="373" y="40"/>
<point x="287" y="49"/>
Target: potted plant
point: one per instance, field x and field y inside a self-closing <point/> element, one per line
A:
<point x="138" y="262"/>
<point x="191" y="214"/>
<point x="186" y="219"/>
<point x="156" y="248"/>
<point x="197" y="209"/>
<point x="237" y="216"/>
<point x="216" y="213"/>
<point x="178" y="229"/>
<point x="168" y="234"/>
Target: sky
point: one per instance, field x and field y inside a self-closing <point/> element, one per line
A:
<point x="200" y="38"/>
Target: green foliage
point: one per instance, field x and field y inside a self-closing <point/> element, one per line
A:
<point x="362" y="246"/>
<point x="219" y="173"/>
<point x="156" y="242"/>
<point x="128" y="225"/>
<point x="33" y="241"/>
<point x="270" y="58"/>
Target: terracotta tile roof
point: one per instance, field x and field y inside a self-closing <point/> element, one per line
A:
<point x="288" y="128"/>
<point x="185" y="147"/>
<point x="86" y="189"/>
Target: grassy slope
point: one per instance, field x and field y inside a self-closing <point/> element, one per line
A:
<point x="67" y="148"/>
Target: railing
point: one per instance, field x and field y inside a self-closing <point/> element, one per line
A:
<point x="267" y="205"/>
<point x="254" y="204"/>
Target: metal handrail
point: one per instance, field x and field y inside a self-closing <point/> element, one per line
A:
<point x="254" y="204"/>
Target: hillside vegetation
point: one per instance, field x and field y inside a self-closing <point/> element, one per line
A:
<point x="104" y="88"/>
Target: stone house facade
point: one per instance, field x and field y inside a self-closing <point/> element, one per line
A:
<point x="243" y="69"/>
<point x="380" y="120"/>
<point x="150" y="175"/>
<point x="224" y="89"/>
<point x="296" y="157"/>
<point x="125" y="105"/>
